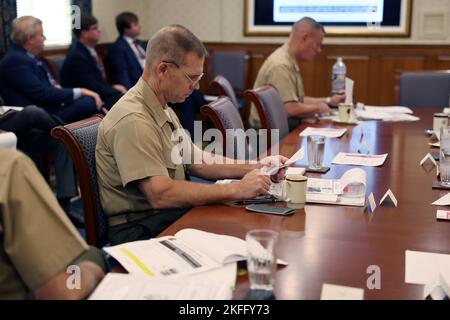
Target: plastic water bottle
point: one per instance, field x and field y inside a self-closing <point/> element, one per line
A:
<point x="338" y="76"/>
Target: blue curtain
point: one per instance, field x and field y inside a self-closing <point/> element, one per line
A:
<point x="8" y="12"/>
<point x="85" y="6"/>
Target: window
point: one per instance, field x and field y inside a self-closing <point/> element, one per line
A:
<point x="56" y="19"/>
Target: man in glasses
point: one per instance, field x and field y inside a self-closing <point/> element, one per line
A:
<point x="142" y="185"/>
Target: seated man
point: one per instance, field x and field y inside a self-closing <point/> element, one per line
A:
<point x="25" y="80"/>
<point x="142" y="183"/>
<point x="281" y="69"/>
<point x="37" y="241"/>
<point x="83" y="66"/>
<point x="32" y="127"/>
<point x="127" y="53"/>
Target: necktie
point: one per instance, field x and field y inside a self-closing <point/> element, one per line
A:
<point x="49" y="77"/>
<point x="100" y="65"/>
<point x="139" y="49"/>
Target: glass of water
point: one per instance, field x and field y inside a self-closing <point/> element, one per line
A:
<point x="444" y="166"/>
<point x="261" y="258"/>
<point x="316" y="148"/>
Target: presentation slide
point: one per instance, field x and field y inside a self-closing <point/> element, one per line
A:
<point x="332" y="11"/>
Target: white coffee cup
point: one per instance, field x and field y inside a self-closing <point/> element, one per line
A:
<point x="439" y="120"/>
<point x="295" y="188"/>
<point x="345" y="112"/>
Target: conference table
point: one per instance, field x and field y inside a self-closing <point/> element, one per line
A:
<point x="340" y="244"/>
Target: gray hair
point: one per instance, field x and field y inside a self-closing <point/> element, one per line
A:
<point x="307" y="24"/>
<point x="23" y="28"/>
<point x="173" y="43"/>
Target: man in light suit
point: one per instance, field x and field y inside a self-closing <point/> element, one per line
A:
<point x="127" y="53"/>
<point x="83" y="66"/>
<point x="25" y="79"/>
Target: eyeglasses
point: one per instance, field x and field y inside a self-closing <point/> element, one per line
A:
<point x="192" y="79"/>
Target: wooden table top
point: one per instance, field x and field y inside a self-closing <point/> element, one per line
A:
<point x="336" y="244"/>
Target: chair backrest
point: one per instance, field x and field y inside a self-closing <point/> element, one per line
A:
<point x="55" y="63"/>
<point x="223" y="86"/>
<point x="80" y="138"/>
<point x="270" y="109"/>
<point x="233" y="65"/>
<point x="425" y="89"/>
<point x="224" y="115"/>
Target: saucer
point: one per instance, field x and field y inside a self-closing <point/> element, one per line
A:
<point x="336" y="120"/>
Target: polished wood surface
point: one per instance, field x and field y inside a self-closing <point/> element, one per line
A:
<point x="336" y="244"/>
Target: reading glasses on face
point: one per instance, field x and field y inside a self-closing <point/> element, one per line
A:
<point x="192" y="79"/>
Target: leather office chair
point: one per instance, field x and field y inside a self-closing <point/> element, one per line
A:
<point x="233" y="65"/>
<point x="224" y="115"/>
<point x="80" y="138"/>
<point x="223" y="86"/>
<point x="270" y="109"/>
<point x="425" y="89"/>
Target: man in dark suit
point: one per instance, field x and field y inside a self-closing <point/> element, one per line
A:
<point x="25" y="80"/>
<point x="127" y="53"/>
<point x="83" y="66"/>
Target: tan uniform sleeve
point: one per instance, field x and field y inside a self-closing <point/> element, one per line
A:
<point x="39" y="239"/>
<point x="137" y="150"/>
<point x="285" y="81"/>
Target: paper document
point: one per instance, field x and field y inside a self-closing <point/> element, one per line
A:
<point x="337" y="191"/>
<point x="389" y="109"/>
<point x="5" y="109"/>
<point x="357" y="159"/>
<point x="334" y="292"/>
<point x="443" y="201"/>
<point x="326" y="132"/>
<point x="189" y="252"/>
<point x="349" y="83"/>
<point x="424" y="267"/>
<point x="393" y="114"/>
<point x="8" y="140"/>
<point x="216" y="284"/>
<point x="295" y="157"/>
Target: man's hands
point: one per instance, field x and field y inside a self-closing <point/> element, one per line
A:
<point x="120" y="88"/>
<point x="337" y="98"/>
<point x="275" y="161"/>
<point x="253" y="184"/>
<point x="94" y="95"/>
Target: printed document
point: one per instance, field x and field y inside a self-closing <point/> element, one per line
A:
<point x="357" y="159"/>
<point x="190" y="251"/>
<point x="335" y="191"/>
<point x="424" y="267"/>
<point x="326" y="132"/>
<point x="210" y="285"/>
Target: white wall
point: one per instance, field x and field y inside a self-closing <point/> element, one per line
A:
<point x="223" y="20"/>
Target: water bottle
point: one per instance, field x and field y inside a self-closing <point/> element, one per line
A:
<point x="338" y="76"/>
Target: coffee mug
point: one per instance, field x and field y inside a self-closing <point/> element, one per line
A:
<point x="345" y="112"/>
<point x="439" y="120"/>
<point x="295" y="188"/>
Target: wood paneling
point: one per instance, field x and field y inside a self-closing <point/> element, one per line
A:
<point x="372" y="67"/>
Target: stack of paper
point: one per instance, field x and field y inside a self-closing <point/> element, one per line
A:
<point x="326" y="132"/>
<point x="216" y="284"/>
<point x="393" y="114"/>
<point x="357" y="159"/>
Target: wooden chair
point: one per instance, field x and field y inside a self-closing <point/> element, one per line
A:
<point x="270" y="109"/>
<point x="80" y="138"/>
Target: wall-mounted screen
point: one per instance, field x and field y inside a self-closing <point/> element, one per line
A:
<point x="340" y="17"/>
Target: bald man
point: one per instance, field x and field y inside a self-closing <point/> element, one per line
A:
<point x="281" y="69"/>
